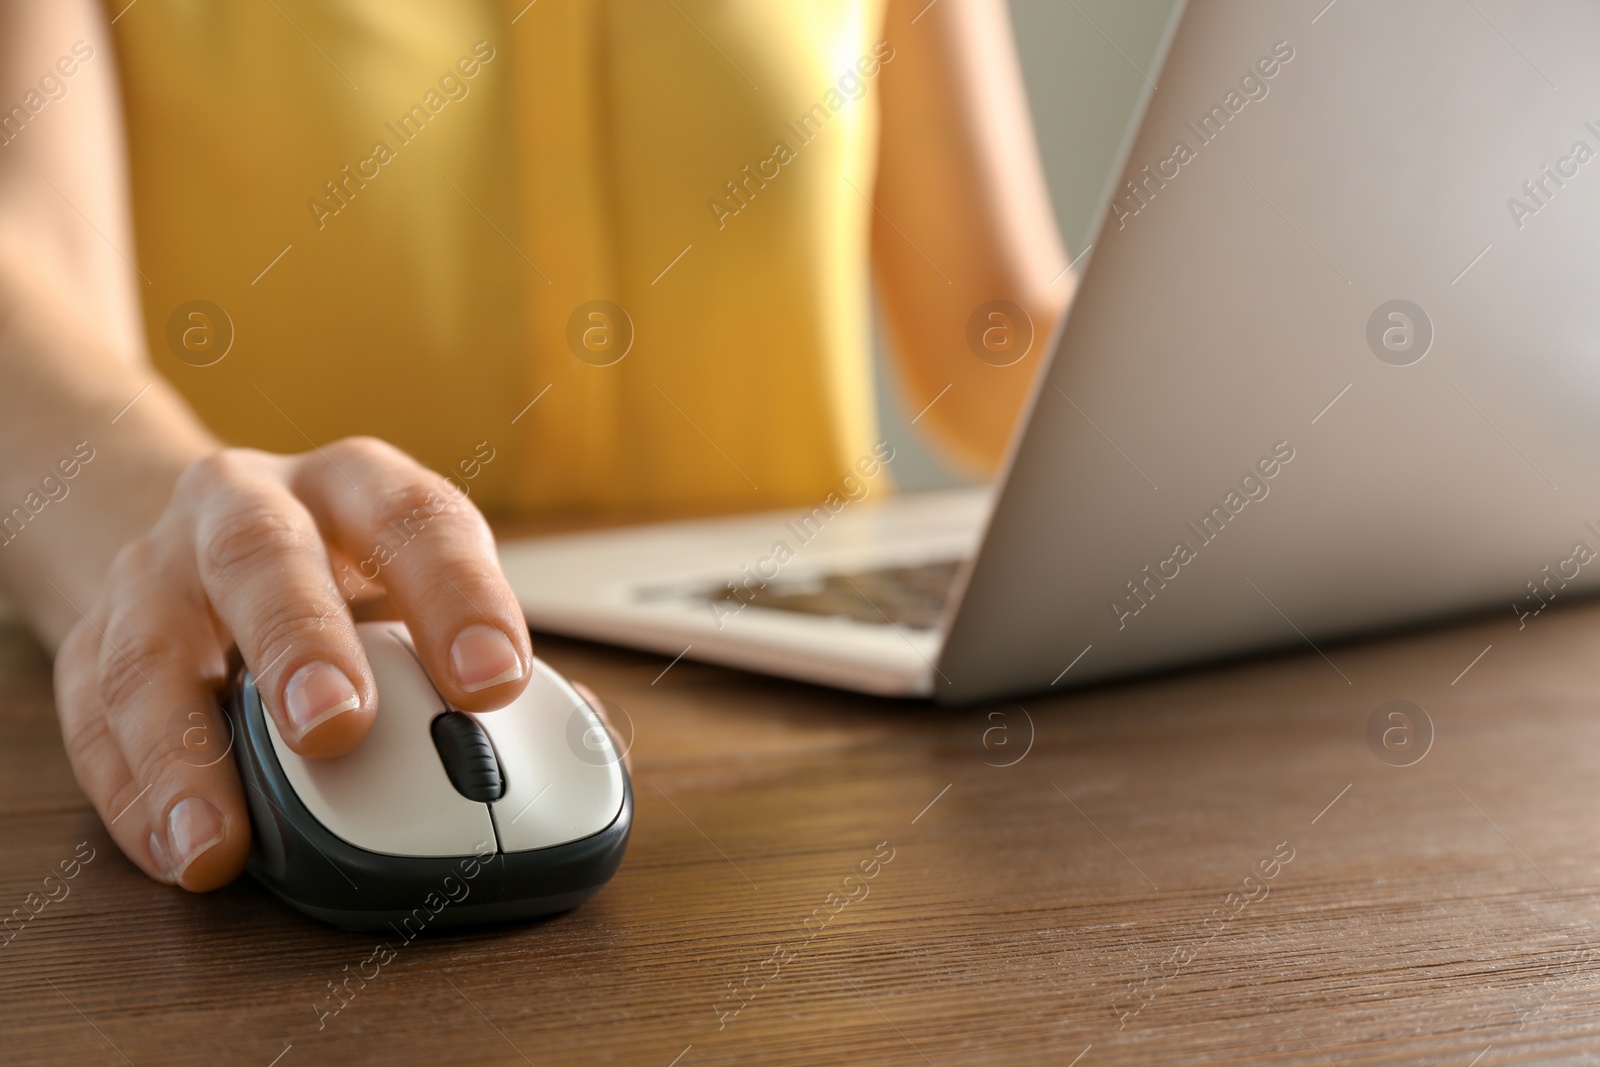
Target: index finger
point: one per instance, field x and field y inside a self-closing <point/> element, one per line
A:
<point x="264" y="569"/>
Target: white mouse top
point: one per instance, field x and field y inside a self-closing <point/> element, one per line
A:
<point x="392" y="794"/>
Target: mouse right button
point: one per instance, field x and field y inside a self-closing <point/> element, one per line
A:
<point x="557" y="790"/>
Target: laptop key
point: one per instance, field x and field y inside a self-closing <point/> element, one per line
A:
<point x="909" y="596"/>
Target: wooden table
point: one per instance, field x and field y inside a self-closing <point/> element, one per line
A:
<point x="1071" y="908"/>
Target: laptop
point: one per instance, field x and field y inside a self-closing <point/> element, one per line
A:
<point x="1334" y="366"/>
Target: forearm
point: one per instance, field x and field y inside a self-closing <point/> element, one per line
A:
<point x="71" y="343"/>
<point x="964" y="220"/>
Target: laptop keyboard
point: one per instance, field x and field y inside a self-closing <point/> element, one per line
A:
<point x="912" y="597"/>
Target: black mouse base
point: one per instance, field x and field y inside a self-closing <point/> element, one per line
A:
<point x="413" y="924"/>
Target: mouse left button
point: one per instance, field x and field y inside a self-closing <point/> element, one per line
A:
<point x="468" y="757"/>
<point x="390" y="794"/>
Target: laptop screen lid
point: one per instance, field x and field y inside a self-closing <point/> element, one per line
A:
<point x="1332" y="366"/>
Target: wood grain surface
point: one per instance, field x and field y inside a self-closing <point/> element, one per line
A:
<point x="1213" y="867"/>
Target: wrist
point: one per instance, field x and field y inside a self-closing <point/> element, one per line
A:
<point x="66" y="516"/>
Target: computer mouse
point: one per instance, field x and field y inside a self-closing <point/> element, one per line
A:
<point x="439" y="817"/>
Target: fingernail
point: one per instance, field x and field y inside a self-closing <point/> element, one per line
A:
<point x="193" y="827"/>
<point x="483" y="656"/>
<point x="159" y="854"/>
<point x="317" y="692"/>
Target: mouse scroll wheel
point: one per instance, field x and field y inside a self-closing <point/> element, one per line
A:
<point x="468" y="757"/>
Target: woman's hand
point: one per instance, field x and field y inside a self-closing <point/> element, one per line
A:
<point x="267" y="552"/>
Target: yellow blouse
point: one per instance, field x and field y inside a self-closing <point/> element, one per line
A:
<point x="647" y="219"/>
